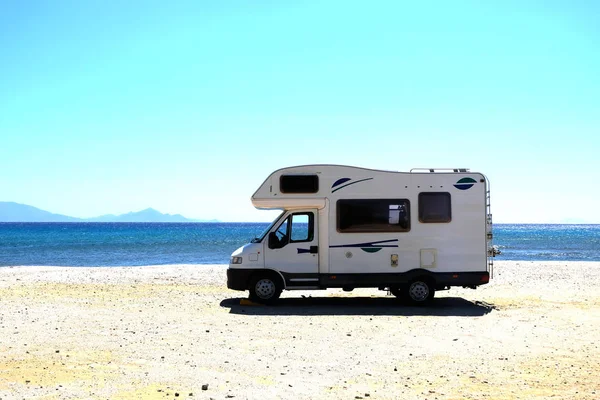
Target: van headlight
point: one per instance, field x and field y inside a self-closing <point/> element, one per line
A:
<point x="236" y="260"/>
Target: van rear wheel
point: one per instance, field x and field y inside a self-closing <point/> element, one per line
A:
<point x="419" y="291"/>
<point x="265" y="289"/>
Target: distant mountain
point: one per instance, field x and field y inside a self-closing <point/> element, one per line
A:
<point x="15" y="212"/>
<point x="147" y="215"/>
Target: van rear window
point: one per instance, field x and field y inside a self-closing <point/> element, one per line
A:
<point x="435" y="207"/>
<point x="299" y="184"/>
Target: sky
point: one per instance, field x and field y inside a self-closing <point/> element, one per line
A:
<point x="188" y="106"/>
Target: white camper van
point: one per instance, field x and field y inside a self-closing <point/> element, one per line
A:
<point x="411" y="233"/>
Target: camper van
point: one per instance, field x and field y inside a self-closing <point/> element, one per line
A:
<point x="409" y="233"/>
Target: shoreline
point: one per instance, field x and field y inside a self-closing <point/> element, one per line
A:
<point x="152" y="332"/>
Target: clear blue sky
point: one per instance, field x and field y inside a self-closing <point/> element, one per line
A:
<point x="186" y="107"/>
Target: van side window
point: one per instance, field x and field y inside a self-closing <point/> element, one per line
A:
<point x="373" y="215"/>
<point x="299" y="184"/>
<point x="435" y="207"/>
<point x="294" y="229"/>
<point x="302" y="228"/>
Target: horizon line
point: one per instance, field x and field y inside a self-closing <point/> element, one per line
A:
<point x="214" y="220"/>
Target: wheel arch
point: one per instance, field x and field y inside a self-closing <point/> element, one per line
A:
<point x="268" y="272"/>
<point x="419" y="273"/>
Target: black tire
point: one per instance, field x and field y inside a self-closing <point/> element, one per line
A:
<point x="396" y="291"/>
<point x="419" y="291"/>
<point x="265" y="288"/>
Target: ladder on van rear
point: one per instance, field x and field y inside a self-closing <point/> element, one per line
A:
<point x="489" y="235"/>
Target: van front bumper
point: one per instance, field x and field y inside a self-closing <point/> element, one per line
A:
<point x="239" y="279"/>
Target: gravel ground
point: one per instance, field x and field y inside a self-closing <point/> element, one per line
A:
<point x="162" y="332"/>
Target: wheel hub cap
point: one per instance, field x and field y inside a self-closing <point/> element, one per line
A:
<point x="265" y="288"/>
<point x="419" y="291"/>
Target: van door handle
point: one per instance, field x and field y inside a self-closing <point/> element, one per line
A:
<point x="314" y="249"/>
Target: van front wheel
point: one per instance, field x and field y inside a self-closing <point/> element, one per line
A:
<point x="265" y="289"/>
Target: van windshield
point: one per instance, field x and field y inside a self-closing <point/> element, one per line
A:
<point x="260" y="237"/>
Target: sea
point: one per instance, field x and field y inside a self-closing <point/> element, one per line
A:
<point x="138" y="244"/>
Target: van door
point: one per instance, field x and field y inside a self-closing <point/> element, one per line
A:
<point x="292" y="246"/>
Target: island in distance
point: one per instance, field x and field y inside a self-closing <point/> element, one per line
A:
<point x="15" y="212"/>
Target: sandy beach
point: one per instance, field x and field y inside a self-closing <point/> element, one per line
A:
<point x="163" y="332"/>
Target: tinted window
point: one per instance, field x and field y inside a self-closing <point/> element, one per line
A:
<point x="299" y="184"/>
<point x="366" y="215"/>
<point x="435" y="207"/>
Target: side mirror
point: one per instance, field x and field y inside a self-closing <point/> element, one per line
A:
<point x="274" y="241"/>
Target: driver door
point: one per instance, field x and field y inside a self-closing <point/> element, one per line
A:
<point x="292" y="246"/>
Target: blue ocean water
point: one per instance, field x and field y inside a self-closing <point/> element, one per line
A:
<point x="542" y="242"/>
<point x="112" y="244"/>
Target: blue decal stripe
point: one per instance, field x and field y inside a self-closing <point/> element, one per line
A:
<point x="464" y="186"/>
<point x="372" y="244"/>
<point x="300" y="251"/>
<point x="340" y="181"/>
<point x="386" y="241"/>
<point x="363" y="245"/>
<point x="351" y="183"/>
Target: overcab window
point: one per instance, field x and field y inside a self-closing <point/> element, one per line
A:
<point x="299" y="184"/>
<point x="373" y="215"/>
<point x="435" y="207"/>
